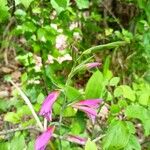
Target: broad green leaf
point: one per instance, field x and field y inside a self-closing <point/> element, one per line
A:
<point x="133" y="144"/>
<point x="114" y="81"/>
<point x="78" y="124"/>
<point x="117" y="136"/>
<point x="146" y="125"/>
<point x="90" y="145"/>
<point x="141" y="4"/>
<point x="31" y="145"/>
<point x="125" y="91"/>
<point x="28" y="27"/>
<point x="139" y="112"/>
<point x="60" y="5"/>
<point x="20" y="12"/>
<point x="114" y="109"/>
<point x="69" y="112"/>
<point x="130" y="127"/>
<point x="4" y="145"/>
<point x="4" y="14"/>
<point x="94" y="87"/>
<point x="109" y="96"/>
<point x="83" y="4"/>
<point x="41" y="34"/>
<point x="18" y="142"/>
<point x="26" y="3"/>
<point x="3" y="105"/>
<point x="72" y="94"/>
<point x="12" y="117"/>
<point x="40" y="98"/>
<point x="24" y="110"/>
<point x="144" y="98"/>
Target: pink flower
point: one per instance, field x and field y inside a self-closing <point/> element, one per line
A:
<point x="43" y="139"/>
<point x="46" y="109"/>
<point x="93" y="65"/>
<point x="89" y="107"/>
<point x="61" y="42"/>
<point x="76" y="139"/>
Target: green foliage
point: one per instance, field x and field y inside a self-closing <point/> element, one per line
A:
<point x="125" y="91"/>
<point x="90" y="145"/>
<point x="117" y="136"/>
<point x="4" y="9"/>
<point x="50" y="43"/>
<point x="26" y="4"/>
<point x="72" y="94"/>
<point x="82" y="4"/>
<point x="133" y="144"/>
<point x="12" y="117"/>
<point x="17" y="142"/>
<point x="94" y="86"/>
<point x="59" y="5"/>
<point x="141" y="113"/>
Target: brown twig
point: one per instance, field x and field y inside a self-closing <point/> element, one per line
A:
<point x="111" y="13"/>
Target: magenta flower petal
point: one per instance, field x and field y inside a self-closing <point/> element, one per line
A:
<point x="43" y="139"/>
<point x="92" y="117"/>
<point x="94" y="103"/>
<point x="92" y="65"/>
<point x="91" y="113"/>
<point x="46" y="109"/>
<point x="76" y="139"/>
<point x="89" y="107"/>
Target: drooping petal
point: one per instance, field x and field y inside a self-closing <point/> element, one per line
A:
<point x="46" y="109"/>
<point x="76" y="139"/>
<point x="44" y="138"/>
<point x="91" y="113"/>
<point x="92" y="117"/>
<point x="93" y="65"/>
<point x="94" y="103"/>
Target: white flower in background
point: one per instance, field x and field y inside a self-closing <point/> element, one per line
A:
<point x="66" y="57"/>
<point x="61" y="42"/>
<point x="38" y="63"/>
<point x="34" y="81"/>
<point x="54" y="26"/>
<point x="60" y="30"/>
<point x="50" y="59"/>
<point x="53" y="15"/>
<point x="77" y="36"/>
<point x="73" y="25"/>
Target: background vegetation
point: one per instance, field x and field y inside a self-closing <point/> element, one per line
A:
<point x="46" y="45"/>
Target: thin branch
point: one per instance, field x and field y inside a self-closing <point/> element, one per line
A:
<point x="18" y="129"/>
<point x="98" y="138"/>
<point x="110" y="12"/>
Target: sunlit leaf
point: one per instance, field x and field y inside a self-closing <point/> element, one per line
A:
<point x="94" y="86"/>
<point x="60" y="5"/>
<point x="82" y="4"/>
<point x="90" y="145"/>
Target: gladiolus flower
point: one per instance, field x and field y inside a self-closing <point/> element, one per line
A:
<point x="89" y="107"/>
<point x="93" y="65"/>
<point x="76" y="139"/>
<point x="46" y="109"/>
<point x="44" y="138"/>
